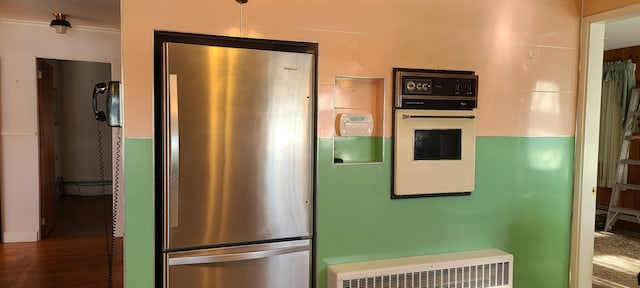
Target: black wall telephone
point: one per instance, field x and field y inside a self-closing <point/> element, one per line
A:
<point x="112" y="103"/>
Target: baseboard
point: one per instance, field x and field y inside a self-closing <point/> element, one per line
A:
<point x="88" y="190"/>
<point x="13" y="237"/>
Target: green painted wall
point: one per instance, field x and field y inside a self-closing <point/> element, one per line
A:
<point x="138" y="229"/>
<point x="358" y="149"/>
<point x="522" y="205"/>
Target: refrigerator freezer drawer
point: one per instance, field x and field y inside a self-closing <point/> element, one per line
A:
<point x="273" y="265"/>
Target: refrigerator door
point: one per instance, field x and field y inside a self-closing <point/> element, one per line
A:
<point x="274" y="265"/>
<point x="239" y="136"/>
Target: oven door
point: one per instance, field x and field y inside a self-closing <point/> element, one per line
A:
<point x="434" y="152"/>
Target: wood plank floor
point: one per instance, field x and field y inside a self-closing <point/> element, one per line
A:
<point x="73" y="255"/>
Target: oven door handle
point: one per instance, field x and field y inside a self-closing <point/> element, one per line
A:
<point x="405" y="116"/>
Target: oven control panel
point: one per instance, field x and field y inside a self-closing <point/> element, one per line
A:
<point x="435" y="89"/>
<point x="417" y="85"/>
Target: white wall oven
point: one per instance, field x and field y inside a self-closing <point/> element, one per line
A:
<point x="434" y="132"/>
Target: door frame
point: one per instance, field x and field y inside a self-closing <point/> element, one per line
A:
<point x="586" y="142"/>
<point x="46" y="151"/>
<point x="115" y="136"/>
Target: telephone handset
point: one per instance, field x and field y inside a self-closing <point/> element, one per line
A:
<point x="112" y="104"/>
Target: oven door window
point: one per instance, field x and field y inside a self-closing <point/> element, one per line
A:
<point x="438" y="144"/>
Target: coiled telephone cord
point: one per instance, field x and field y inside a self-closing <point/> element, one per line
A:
<point x="109" y="220"/>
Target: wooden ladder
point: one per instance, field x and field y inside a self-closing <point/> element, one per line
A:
<point x="631" y="126"/>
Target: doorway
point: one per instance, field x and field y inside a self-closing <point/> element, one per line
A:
<point x="76" y="168"/>
<point x="587" y="135"/>
<point x="616" y="258"/>
<point x="70" y="136"/>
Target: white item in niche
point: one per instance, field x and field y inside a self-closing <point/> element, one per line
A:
<point x="356" y="124"/>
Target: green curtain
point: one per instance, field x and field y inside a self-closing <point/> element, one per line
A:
<point x="618" y="79"/>
<point x="611" y="134"/>
<point x="624" y="74"/>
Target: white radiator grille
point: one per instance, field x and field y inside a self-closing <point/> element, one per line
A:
<point x="474" y="269"/>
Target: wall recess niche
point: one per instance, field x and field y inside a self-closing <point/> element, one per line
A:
<point x="358" y="120"/>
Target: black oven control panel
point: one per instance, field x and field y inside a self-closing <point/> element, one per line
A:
<point x="435" y="89"/>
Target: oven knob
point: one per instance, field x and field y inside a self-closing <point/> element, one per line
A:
<point x="411" y="85"/>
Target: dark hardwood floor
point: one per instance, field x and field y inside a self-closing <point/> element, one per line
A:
<point x="73" y="255"/>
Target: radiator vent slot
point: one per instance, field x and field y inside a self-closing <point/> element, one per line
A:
<point x="473" y="269"/>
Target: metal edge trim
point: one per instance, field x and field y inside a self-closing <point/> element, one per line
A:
<point x="218" y="255"/>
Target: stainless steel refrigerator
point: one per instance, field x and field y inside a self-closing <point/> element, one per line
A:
<point x="238" y="145"/>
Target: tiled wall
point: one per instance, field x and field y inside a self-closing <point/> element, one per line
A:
<point x="525" y="54"/>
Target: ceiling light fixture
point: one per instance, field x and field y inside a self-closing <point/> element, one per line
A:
<point x="60" y="23"/>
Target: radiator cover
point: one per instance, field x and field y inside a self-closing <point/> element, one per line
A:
<point x="471" y="269"/>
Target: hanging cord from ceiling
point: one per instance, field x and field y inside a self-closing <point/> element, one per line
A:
<point x="242" y="2"/>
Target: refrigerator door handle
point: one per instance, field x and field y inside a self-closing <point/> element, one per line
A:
<point x="211" y="259"/>
<point x="174" y="152"/>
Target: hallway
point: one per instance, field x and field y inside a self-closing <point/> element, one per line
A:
<point x="73" y="255"/>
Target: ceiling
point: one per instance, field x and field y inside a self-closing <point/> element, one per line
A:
<point x="622" y="33"/>
<point x="81" y="13"/>
<point x="106" y="14"/>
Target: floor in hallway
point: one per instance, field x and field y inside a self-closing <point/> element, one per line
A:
<point x="73" y="255"/>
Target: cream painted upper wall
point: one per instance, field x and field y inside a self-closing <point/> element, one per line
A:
<point x="525" y="52"/>
<point x="20" y="44"/>
<point x="23" y="42"/>
<point x="592" y="7"/>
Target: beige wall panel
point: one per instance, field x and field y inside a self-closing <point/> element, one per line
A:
<point x="137" y="56"/>
<point x="182" y="11"/>
<point x="548" y="23"/>
<point x="493" y="38"/>
<point x="325" y="110"/>
<point x="513" y="113"/>
<point x="530" y="68"/>
<point x="138" y="60"/>
<point x="542" y="22"/>
<point x="336" y="16"/>
<point x="510" y="68"/>
<point x="504" y="66"/>
<point x="596" y="6"/>
<point x="340" y="54"/>
<point x="138" y="115"/>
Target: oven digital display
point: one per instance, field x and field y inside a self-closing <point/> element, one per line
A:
<point x="439" y="144"/>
